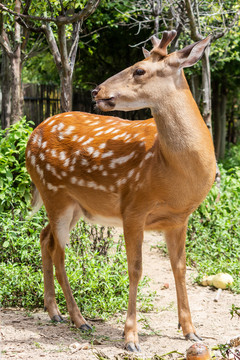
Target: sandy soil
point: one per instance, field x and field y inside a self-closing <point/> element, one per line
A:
<point x="32" y="336"/>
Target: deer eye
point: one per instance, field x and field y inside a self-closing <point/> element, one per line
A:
<point x="139" y="72"/>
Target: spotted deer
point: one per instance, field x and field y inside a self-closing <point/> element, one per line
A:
<point x="141" y="175"/>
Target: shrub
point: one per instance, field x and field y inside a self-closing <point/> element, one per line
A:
<point x="213" y="240"/>
<point x="14" y="178"/>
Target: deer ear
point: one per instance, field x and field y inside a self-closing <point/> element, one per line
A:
<point x="146" y="53"/>
<point x="192" y="53"/>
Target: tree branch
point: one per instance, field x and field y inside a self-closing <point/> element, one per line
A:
<point x="63" y="47"/>
<point x="59" y="20"/>
<point x="193" y="27"/>
<point x="73" y="50"/>
<point x="221" y="34"/>
<point x="52" y="45"/>
<point x="4" y="41"/>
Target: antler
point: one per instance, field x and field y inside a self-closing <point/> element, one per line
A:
<point x="167" y="38"/>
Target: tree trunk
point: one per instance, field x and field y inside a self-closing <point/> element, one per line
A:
<point x="219" y="112"/>
<point x="16" y="70"/>
<point x="216" y="118"/>
<point x="195" y="88"/>
<point x="16" y="88"/>
<point x="6" y="93"/>
<point x="223" y="106"/>
<point x="66" y="91"/>
<point x="206" y="86"/>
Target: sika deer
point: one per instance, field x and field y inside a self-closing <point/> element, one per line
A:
<point x="141" y="175"/>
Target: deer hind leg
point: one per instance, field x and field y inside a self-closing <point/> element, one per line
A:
<point x="60" y="226"/>
<point x="133" y="239"/>
<point x="175" y="239"/>
<point x="47" y="243"/>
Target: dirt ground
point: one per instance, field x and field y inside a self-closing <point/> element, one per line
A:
<point x="32" y="336"/>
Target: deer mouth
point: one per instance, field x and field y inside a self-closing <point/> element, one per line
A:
<point x="106" y="104"/>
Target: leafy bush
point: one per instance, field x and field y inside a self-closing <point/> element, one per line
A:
<point x="14" y="179"/>
<point x="98" y="278"/>
<point x="213" y="241"/>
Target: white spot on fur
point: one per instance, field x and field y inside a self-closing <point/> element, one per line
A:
<point x="121" y="160"/>
<point x="95" y="167"/>
<point x="66" y="162"/>
<point x="73" y="180"/>
<point x="99" y="128"/>
<point x="42" y="156"/>
<point x="39" y="171"/>
<point x="90" y="150"/>
<point x="109" y="130"/>
<point x="62" y="155"/>
<point x="33" y="160"/>
<point x="81" y="182"/>
<point x="105" y="173"/>
<point x="52" y="122"/>
<point x="71" y="168"/>
<point x="74" y="138"/>
<point x="102" y="187"/>
<point x="99" y="133"/>
<point x="44" y="144"/>
<point x="87" y="141"/>
<point x="148" y="155"/>
<point x="69" y="129"/>
<point x="130" y="173"/>
<point x="102" y="146"/>
<point x="137" y="176"/>
<point x="60" y="126"/>
<point x="96" y="154"/>
<point x="115" y="131"/>
<point x="107" y="154"/>
<point x="52" y="187"/>
<point x="77" y="152"/>
<point x="74" y="160"/>
<point x="53" y="152"/>
<point x="116" y="137"/>
<point x="63" y="173"/>
<point x="35" y="138"/>
<point x="84" y="162"/>
<point x="54" y="128"/>
<point x="81" y="138"/>
<point x="92" y="184"/>
<point x="101" y="167"/>
<point x="121" y="181"/>
<point x="28" y="153"/>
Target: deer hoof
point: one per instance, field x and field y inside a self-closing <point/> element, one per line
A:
<point x="193" y="337"/>
<point x="57" y="318"/>
<point x="132" y="347"/>
<point x="85" y="328"/>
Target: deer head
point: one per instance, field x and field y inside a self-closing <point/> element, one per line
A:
<point x="149" y="81"/>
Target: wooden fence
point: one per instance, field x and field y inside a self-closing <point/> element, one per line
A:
<point x="42" y="101"/>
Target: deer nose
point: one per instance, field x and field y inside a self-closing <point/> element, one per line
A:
<point x="95" y="91"/>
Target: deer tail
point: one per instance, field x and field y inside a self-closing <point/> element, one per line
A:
<point x="36" y="201"/>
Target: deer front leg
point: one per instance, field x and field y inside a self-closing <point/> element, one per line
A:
<point x="133" y="240"/>
<point x="176" y="239"/>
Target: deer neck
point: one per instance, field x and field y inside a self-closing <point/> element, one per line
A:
<point x="179" y="123"/>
